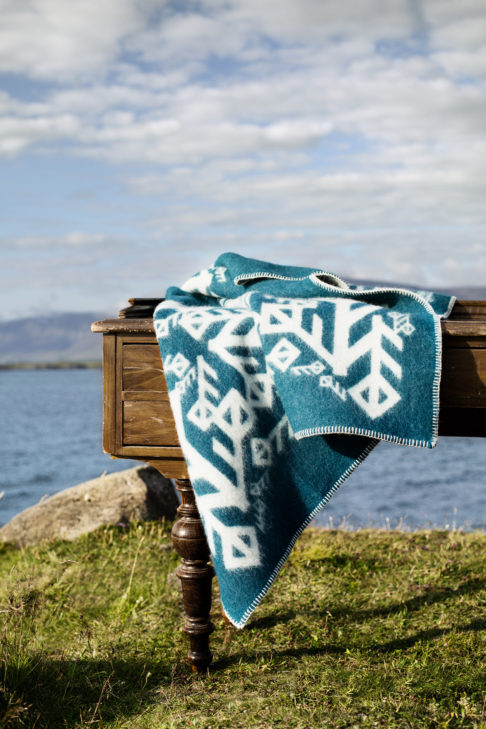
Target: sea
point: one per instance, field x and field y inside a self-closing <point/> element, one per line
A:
<point x="50" y="439"/>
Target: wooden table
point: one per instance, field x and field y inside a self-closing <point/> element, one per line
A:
<point x="138" y="424"/>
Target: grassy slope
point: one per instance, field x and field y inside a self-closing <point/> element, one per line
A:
<point x="368" y="629"/>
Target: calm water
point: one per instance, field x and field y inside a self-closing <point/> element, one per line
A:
<point x="50" y="435"/>
<point x="51" y="438"/>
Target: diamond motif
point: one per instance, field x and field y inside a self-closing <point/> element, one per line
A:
<point x="283" y="354"/>
<point x="161" y="328"/>
<point x="178" y="365"/>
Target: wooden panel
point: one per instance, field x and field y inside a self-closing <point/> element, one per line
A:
<point x="463" y="382"/>
<point x="469" y="310"/>
<point x="140" y="355"/>
<point x="171" y="469"/>
<point x="142" y="367"/>
<point x="152" y="395"/>
<point x="463" y="343"/>
<point x="168" y="461"/>
<point x="463" y="422"/>
<point x="138" y="423"/>
<point x="148" y="423"/>
<point x="463" y="328"/>
<point x="118" y="395"/>
<point x="148" y="452"/>
<point x="124" y="326"/>
<point x="109" y="389"/>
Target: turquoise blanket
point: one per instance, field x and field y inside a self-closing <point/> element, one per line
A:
<point x="282" y="379"/>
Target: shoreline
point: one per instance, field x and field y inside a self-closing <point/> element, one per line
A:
<point x="88" y="365"/>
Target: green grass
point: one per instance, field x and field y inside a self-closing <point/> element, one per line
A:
<point x="362" y="629"/>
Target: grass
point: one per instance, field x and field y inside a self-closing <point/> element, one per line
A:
<point x="362" y="629"/>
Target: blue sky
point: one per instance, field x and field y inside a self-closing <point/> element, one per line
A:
<point x="139" y="139"/>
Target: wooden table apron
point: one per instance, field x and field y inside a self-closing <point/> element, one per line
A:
<point x="138" y="424"/>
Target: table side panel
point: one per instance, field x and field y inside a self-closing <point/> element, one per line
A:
<point x="469" y="309"/>
<point x="463" y="382"/>
<point x="142" y="367"/>
<point x="462" y="422"/>
<point x="145" y="415"/>
<point x="148" y="423"/>
<point x="124" y="361"/>
<point x="138" y="423"/>
<point x="109" y="393"/>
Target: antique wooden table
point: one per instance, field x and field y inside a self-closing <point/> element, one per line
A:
<point x="138" y="424"/>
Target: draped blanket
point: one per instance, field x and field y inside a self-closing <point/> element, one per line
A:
<point x="282" y="379"/>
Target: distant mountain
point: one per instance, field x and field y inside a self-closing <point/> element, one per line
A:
<point x="51" y="338"/>
<point x="68" y="338"/>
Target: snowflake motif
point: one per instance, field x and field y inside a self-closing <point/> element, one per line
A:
<point x="332" y="384"/>
<point x="314" y="368"/>
<point x="283" y="354"/>
<point x="161" y="327"/>
<point x="402" y="323"/>
<point x="177" y="364"/>
<point x="196" y="323"/>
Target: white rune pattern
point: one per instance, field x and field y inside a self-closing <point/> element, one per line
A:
<point x="238" y="344"/>
<point x="233" y="418"/>
<point x="201" y="282"/>
<point x="228" y="416"/>
<point x="202" y="412"/>
<point x="278" y="398"/>
<point x="239" y="543"/>
<point x="401" y="322"/>
<point x="381" y="395"/>
<point x="373" y="393"/>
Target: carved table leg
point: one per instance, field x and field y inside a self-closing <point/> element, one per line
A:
<point x="195" y="575"/>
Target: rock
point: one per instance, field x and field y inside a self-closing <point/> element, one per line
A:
<point x="139" y="493"/>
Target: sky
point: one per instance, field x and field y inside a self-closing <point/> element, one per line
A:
<point x="139" y="139"/>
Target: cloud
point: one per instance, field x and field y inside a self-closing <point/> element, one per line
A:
<point x="59" y="41"/>
<point x="17" y="133"/>
<point x="320" y="131"/>
<point x="284" y="75"/>
<point x="66" y="272"/>
<point x="76" y="239"/>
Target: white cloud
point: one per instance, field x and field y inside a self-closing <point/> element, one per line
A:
<point x="75" y="239"/>
<point x="316" y="130"/>
<point x="17" y="133"/>
<point x="62" y="41"/>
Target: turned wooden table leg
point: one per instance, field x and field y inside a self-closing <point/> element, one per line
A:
<point x="195" y="575"/>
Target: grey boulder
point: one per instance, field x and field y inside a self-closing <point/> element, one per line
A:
<point x="137" y="494"/>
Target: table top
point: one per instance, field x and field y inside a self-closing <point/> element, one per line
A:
<point x="467" y="319"/>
